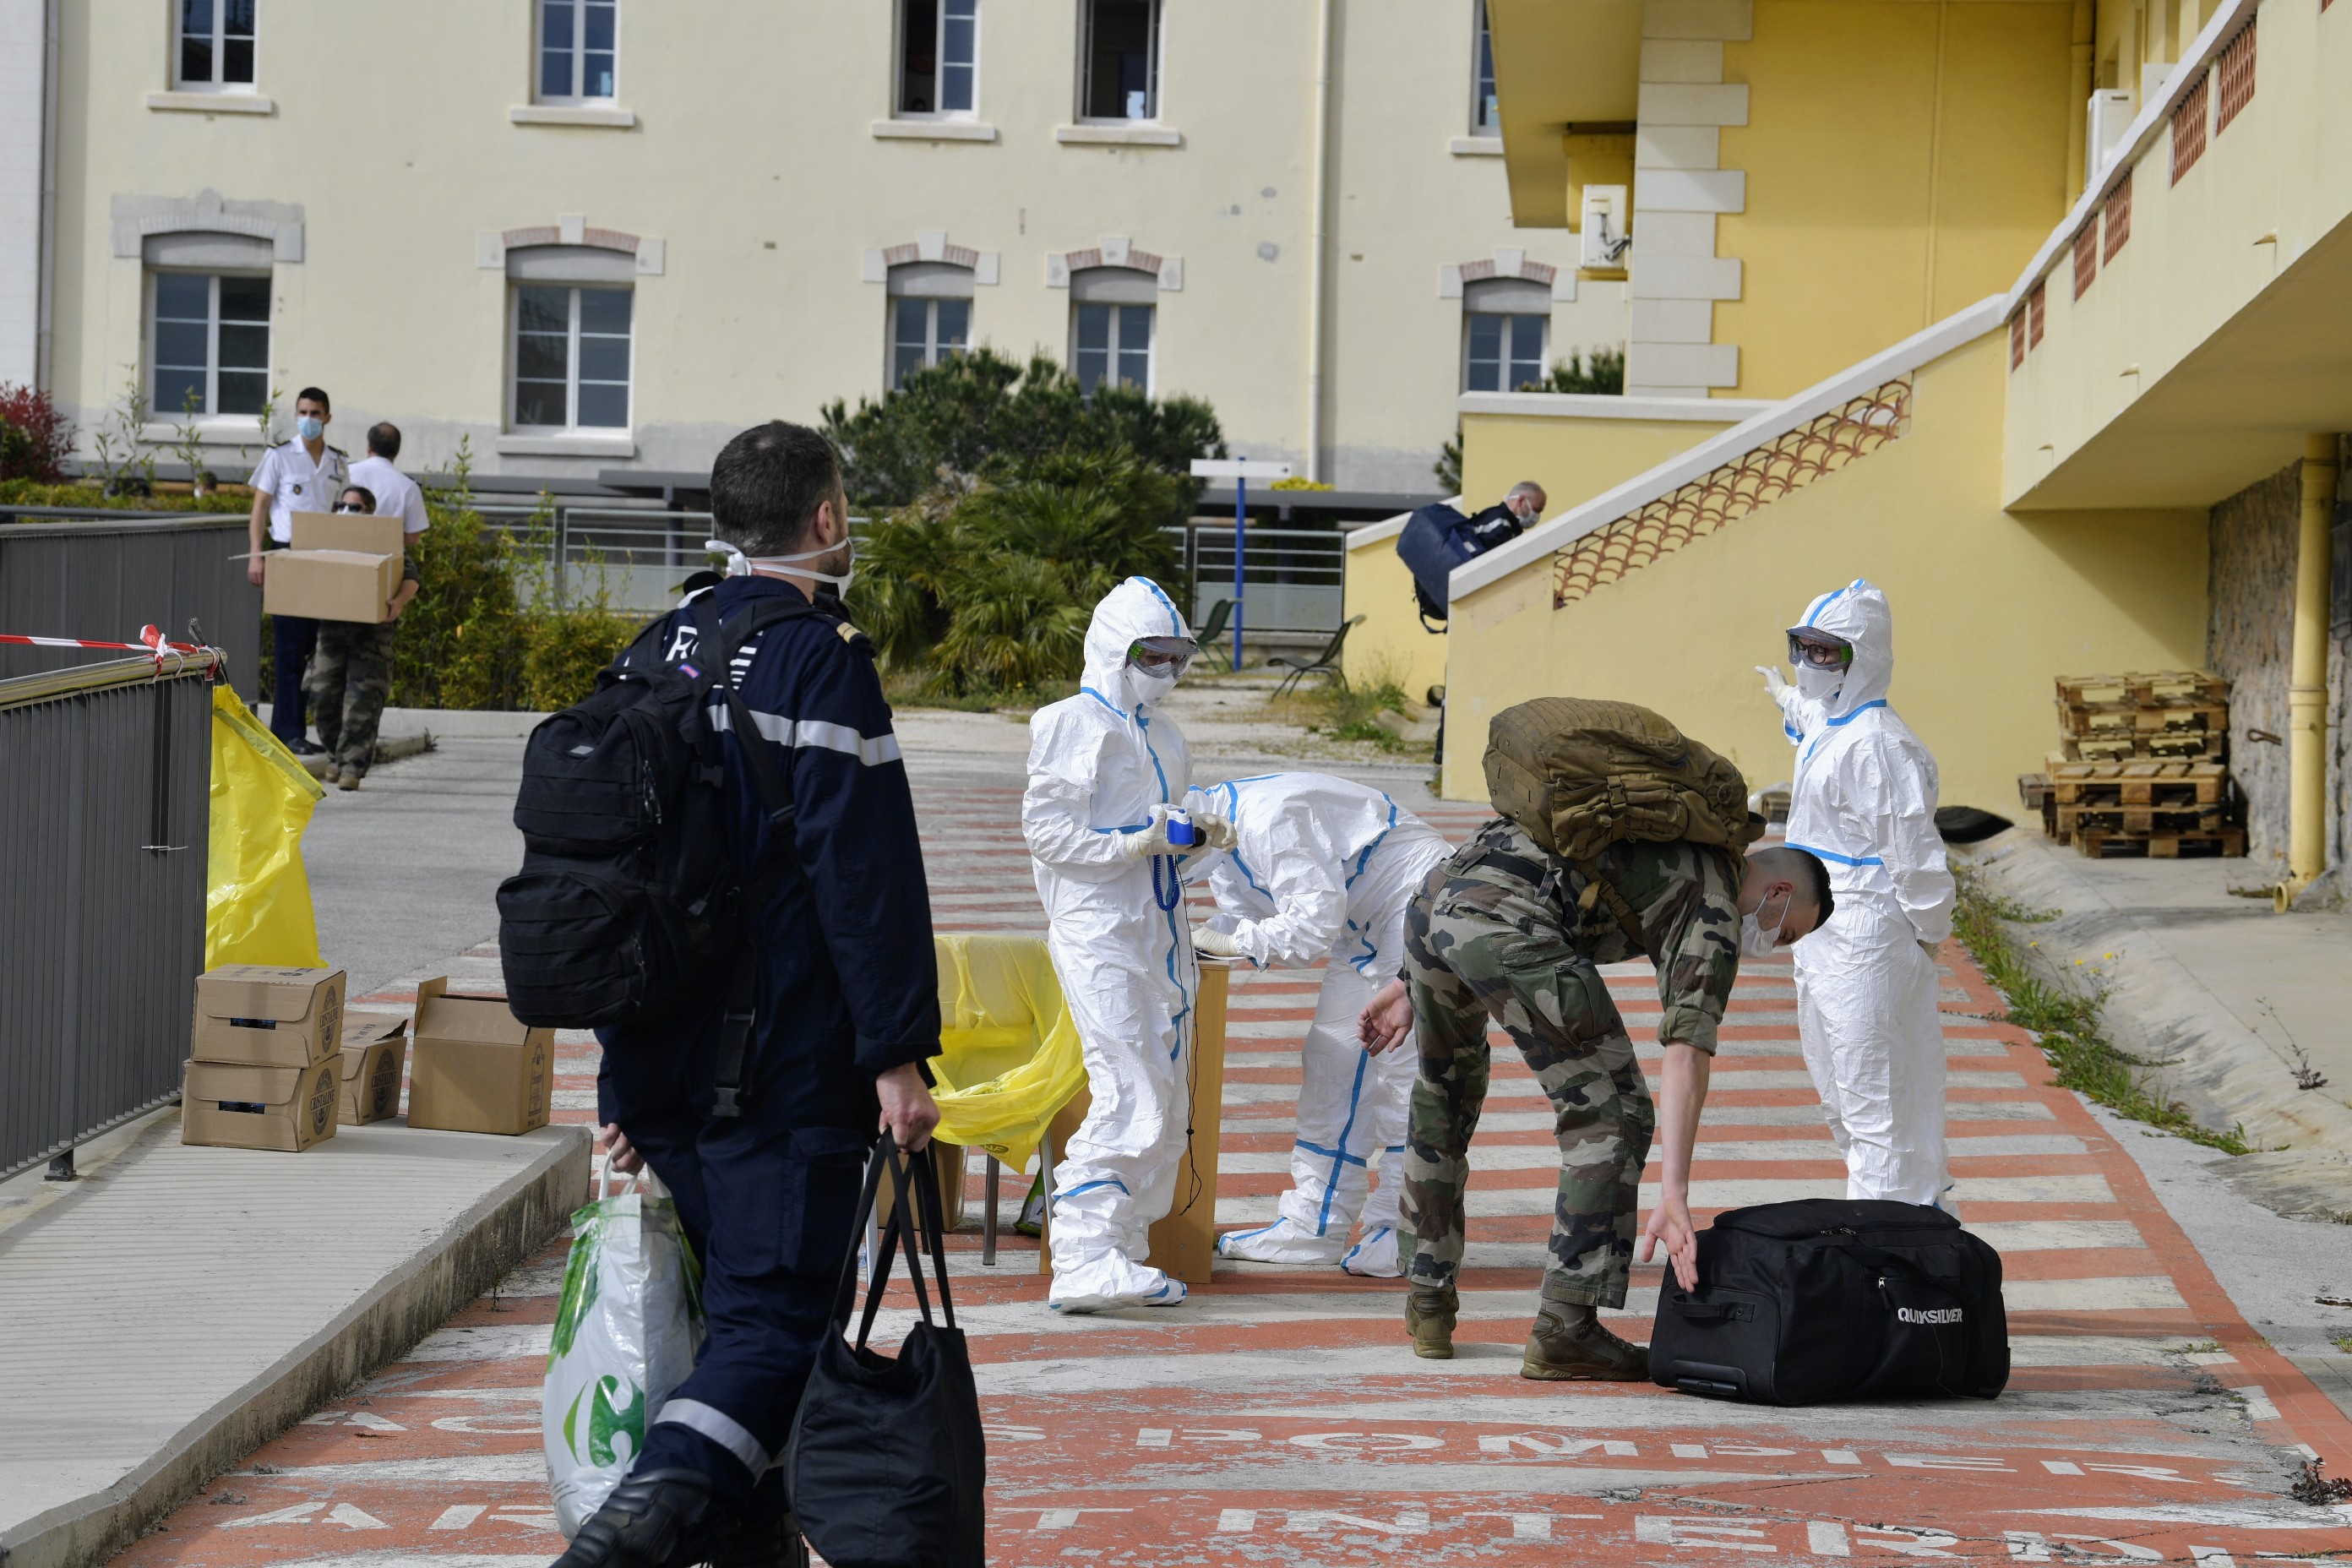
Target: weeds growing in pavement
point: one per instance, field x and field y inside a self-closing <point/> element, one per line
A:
<point x="2312" y="1486"/>
<point x="2064" y="1019"/>
<point x="1350" y="710"/>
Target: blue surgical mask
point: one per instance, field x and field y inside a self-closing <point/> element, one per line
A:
<point x="309" y="429"/>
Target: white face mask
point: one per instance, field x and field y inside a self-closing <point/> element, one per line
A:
<point x="1755" y="942"/>
<point x="1149" y="689"/>
<point x="1820" y="685"/>
<point x="741" y="565"/>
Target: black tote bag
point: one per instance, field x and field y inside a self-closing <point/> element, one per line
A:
<point x="887" y="1463"/>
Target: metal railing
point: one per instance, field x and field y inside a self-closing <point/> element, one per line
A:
<point x="1292" y="577"/>
<point x="105" y="769"/>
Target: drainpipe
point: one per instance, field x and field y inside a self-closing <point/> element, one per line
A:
<point x="45" y="283"/>
<point x="2306" y="692"/>
<point x="1320" y="260"/>
<point x="2078" y="82"/>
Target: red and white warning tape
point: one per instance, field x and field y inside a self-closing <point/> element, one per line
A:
<point x="150" y="641"/>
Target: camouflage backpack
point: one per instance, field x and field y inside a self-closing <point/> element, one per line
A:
<point x="1579" y="775"/>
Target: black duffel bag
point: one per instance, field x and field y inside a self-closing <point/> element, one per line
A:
<point x="1831" y="1299"/>
<point x="886" y="1463"/>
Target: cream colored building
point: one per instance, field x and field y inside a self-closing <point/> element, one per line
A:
<point x="598" y="237"/>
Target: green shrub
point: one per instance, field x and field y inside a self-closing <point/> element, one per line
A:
<point x="38" y="492"/>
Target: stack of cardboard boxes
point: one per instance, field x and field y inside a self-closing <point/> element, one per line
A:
<point x="262" y="1072"/>
<point x="341" y="568"/>
<point x="274" y="1064"/>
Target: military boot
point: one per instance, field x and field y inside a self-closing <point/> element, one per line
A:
<point x="1429" y="1315"/>
<point x="652" y="1519"/>
<point x="1568" y="1342"/>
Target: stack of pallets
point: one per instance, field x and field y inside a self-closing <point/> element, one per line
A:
<point x="2142" y="769"/>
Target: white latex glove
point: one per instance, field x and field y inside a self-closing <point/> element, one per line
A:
<point x="1215" y="943"/>
<point x="1216" y="833"/>
<point x="1774" y="682"/>
<point x="1152" y="839"/>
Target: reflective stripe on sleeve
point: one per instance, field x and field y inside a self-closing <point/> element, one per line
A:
<point x="869" y="750"/>
<point x="720" y="1428"/>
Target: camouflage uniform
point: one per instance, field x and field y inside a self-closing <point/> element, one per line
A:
<point x="1497" y="931"/>
<point x="350" y="677"/>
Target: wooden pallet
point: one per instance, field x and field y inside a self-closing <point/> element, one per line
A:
<point x="2137" y="782"/>
<point x="2141" y="820"/>
<point x="2229" y="843"/>
<point x="2163" y="688"/>
<point x="2105" y="722"/>
<point x="2178" y="745"/>
<point x="2033" y="789"/>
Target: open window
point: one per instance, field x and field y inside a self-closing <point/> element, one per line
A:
<point x="1119" y="74"/>
<point x="939" y="59"/>
<point x="578" y="51"/>
<point x="1506" y="322"/>
<point x="215" y="46"/>
<point x="931" y="315"/>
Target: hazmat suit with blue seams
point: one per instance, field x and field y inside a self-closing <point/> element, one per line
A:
<point x="1105" y="769"/>
<point x="1864" y="800"/>
<point x="1321" y="871"/>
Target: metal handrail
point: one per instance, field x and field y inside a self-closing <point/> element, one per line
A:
<point x="47" y="685"/>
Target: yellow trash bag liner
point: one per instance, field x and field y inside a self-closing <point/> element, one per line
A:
<point x="1009" y="1049"/>
<point x="257" y="906"/>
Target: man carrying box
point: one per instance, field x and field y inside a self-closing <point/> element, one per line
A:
<point x="351" y="674"/>
<point x="303" y="475"/>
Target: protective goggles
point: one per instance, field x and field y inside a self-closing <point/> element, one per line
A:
<point x="1819" y="649"/>
<point x="1162" y="656"/>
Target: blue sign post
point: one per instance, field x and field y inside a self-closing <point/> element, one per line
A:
<point x="1241" y="470"/>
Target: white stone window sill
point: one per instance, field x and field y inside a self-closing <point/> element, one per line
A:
<point x="567" y="447"/>
<point x="572" y="115"/>
<point x="933" y="131"/>
<point x="235" y="430"/>
<point x="1475" y="146"/>
<point x="212" y="102"/>
<point x="1123" y="134"/>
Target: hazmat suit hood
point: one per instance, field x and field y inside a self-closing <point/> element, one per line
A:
<point x="1137" y="607"/>
<point x="1858" y="613"/>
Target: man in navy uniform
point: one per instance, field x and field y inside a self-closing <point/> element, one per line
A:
<point x="847" y="1011"/>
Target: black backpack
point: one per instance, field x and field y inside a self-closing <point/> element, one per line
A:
<point x="628" y="908"/>
<point x="1831" y="1299"/>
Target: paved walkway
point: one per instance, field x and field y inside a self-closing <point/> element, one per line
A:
<point x="1279" y="1416"/>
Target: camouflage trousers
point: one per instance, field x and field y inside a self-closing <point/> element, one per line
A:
<point x="350" y="675"/>
<point x="1481" y="946"/>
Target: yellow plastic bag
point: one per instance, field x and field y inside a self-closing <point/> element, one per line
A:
<point x="1009" y="1047"/>
<point x="257" y="906"/>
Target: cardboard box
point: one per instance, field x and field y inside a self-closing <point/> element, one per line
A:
<point x="235" y="1107"/>
<point x="375" y="1048"/>
<point x="329" y="585"/>
<point x="256" y="1015"/>
<point x="332" y="531"/>
<point x="477" y="1068"/>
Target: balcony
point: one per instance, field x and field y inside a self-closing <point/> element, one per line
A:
<point x="2191" y="319"/>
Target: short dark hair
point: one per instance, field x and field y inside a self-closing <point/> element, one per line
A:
<point x="361" y="491"/>
<point x="384" y="440"/>
<point x="767" y="483"/>
<point x="316" y="396"/>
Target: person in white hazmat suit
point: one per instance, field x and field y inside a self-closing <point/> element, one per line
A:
<point x="1320" y="871"/>
<point x="1864" y="800"/>
<point x="1105" y="770"/>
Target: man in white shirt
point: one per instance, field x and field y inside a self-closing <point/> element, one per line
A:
<point x="303" y="475"/>
<point x="396" y="495"/>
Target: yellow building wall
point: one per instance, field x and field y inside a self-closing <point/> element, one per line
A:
<point x="1902" y="162"/>
<point x="1574" y="459"/>
<point x="1987" y="607"/>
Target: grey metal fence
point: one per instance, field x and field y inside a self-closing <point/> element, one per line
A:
<point x="106" y="771"/>
<point x="104" y="578"/>
<point x="1292" y="576"/>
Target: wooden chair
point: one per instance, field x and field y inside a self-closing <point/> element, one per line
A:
<point x="1324" y="663"/>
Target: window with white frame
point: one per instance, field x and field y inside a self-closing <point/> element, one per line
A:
<point x="577" y="50"/>
<point x="571" y="358"/>
<point x="931" y="315"/>
<point x="1119" y="61"/>
<point x="216" y="51"/>
<point x="207" y="342"/>
<point x="1485" y="120"/>
<point x="1111" y="321"/>
<point x="1505" y="323"/>
<point x="939" y="58"/>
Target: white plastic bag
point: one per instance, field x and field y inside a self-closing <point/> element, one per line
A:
<point x="625" y="1336"/>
